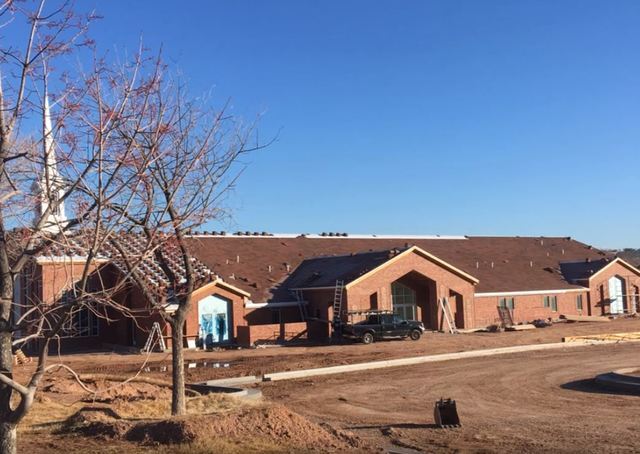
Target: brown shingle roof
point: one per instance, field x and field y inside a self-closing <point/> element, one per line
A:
<point x="324" y="271"/>
<point x="260" y="264"/>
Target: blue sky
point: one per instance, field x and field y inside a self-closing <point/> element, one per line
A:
<point x="434" y="117"/>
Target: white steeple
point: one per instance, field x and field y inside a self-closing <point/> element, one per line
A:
<point x="51" y="185"/>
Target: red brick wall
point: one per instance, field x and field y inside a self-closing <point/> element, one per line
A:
<point x="358" y="295"/>
<point x="192" y="324"/>
<point x="599" y="299"/>
<point x="528" y="307"/>
<point x="249" y="335"/>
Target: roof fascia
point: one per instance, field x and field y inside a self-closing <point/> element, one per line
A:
<point x="616" y="260"/>
<point x="419" y="251"/>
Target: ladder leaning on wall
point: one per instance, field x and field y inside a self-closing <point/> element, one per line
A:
<point x="337" y="305"/>
<point x="447" y="316"/>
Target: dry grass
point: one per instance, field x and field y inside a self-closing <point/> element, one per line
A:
<point x="160" y="408"/>
<point x="47" y="412"/>
<point x="222" y="446"/>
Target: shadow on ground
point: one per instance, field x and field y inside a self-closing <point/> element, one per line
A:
<point x="590" y="385"/>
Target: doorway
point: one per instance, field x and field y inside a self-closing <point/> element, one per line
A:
<point x="214" y="317"/>
<point x="403" y="300"/>
<point x="616" y="295"/>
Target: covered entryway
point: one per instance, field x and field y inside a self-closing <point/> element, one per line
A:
<point x="413" y="297"/>
<point x="616" y="295"/>
<point x="215" y="319"/>
<point x="403" y="300"/>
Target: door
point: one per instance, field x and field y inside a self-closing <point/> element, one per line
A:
<point x="403" y="300"/>
<point x="387" y="326"/>
<point x="616" y="295"/>
<point x="214" y="317"/>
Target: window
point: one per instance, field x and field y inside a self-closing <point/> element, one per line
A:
<point x="551" y="302"/>
<point x="404" y="301"/>
<point x="373" y="301"/>
<point x="579" y="302"/>
<point x="508" y="303"/>
<point x="83" y="323"/>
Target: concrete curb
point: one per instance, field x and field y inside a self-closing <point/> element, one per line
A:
<point x="424" y="359"/>
<point x="231" y="382"/>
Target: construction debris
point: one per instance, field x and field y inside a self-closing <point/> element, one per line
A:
<point x="586" y="318"/>
<point x="522" y="327"/>
<point x="611" y="337"/>
<point x="19" y="358"/>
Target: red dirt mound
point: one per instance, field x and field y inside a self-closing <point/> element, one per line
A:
<point x="276" y="424"/>
<point x="99" y="422"/>
<point x="106" y="390"/>
<point x="111" y="391"/>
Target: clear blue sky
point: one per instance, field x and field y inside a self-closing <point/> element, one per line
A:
<point x="434" y="117"/>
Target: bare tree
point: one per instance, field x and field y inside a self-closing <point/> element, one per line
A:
<point x="82" y="162"/>
<point x="191" y="160"/>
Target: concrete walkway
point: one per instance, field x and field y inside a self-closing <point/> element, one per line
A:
<point x="426" y="359"/>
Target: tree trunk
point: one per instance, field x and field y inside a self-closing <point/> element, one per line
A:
<point x="8" y="435"/>
<point x="8" y="438"/>
<point x="178" y="400"/>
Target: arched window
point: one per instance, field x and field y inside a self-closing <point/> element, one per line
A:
<point x="403" y="300"/>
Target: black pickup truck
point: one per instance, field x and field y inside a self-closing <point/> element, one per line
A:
<point x="383" y="326"/>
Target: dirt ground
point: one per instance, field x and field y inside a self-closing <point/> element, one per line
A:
<point x="531" y="402"/>
<point x="278" y="359"/>
<point x="528" y="402"/>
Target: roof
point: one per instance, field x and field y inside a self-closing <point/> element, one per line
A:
<point x="576" y="272"/>
<point x="136" y="248"/>
<point x="134" y="245"/>
<point x="262" y="264"/>
<point x="324" y="271"/>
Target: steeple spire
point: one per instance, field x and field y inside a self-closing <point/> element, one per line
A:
<point x="51" y="185"/>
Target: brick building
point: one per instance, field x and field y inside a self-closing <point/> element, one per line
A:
<point x="259" y="287"/>
<point x="266" y="287"/>
<point x="291" y="279"/>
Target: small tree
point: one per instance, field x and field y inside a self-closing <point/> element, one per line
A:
<point x="191" y="159"/>
<point x="82" y="162"/>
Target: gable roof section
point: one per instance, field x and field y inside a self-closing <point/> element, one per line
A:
<point x="424" y="254"/>
<point x="323" y="272"/>
<point x="584" y="271"/>
<point x="261" y="265"/>
<point x="621" y="262"/>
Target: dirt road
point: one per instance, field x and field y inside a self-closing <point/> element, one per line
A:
<point x="531" y="402"/>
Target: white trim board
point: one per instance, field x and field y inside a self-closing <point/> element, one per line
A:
<point x="532" y="292"/>
<point x="277" y="305"/>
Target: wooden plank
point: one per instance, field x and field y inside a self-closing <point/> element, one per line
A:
<point x="524" y="327"/>
<point x="586" y="318"/>
<point x="609" y="337"/>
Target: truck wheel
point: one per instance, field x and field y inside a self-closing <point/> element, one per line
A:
<point x="367" y="338"/>
<point x="415" y="334"/>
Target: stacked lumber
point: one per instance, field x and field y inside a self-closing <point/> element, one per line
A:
<point x="586" y="318"/>
<point x="522" y="327"/>
<point x="19" y="358"/>
<point x="610" y="337"/>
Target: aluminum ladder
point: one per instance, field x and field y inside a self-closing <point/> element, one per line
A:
<point x="155" y="331"/>
<point x="301" y="306"/>
<point x="448" y="316"/>
<point x="337" y="303"/>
